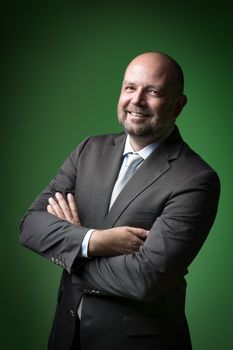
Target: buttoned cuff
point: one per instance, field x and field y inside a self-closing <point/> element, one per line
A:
<point x="85" y="243"/>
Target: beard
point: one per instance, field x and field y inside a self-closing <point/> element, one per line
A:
<point x="146" y="129"/>
<point x="152" y="126"/>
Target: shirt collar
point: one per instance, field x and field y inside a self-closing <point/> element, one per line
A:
<point x="144" y="152"/>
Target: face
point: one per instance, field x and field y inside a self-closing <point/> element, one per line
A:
<point x="148" y="105"/>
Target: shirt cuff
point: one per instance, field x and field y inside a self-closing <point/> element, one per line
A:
<point x="85" y="243"/>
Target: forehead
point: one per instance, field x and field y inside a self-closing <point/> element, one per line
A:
<point x="147" y="73"/>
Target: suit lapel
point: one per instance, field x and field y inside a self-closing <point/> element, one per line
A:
<point x="155" y="166"/>
<point x="105" y="177"/>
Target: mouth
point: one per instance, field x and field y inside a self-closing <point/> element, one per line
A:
<point x="138" y="114"/>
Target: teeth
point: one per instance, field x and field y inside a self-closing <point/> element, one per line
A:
<point x="137" y="114"/>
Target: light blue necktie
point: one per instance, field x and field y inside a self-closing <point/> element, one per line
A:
<point x="133" y="161"/>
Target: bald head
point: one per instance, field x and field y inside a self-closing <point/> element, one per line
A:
<point x="162" y="64"/>
<point x="151" y="98"/>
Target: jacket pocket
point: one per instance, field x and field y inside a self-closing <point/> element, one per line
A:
<point x="138" y="218"/>
<point x="143" y="326"/>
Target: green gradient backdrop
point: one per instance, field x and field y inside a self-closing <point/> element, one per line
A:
<point x="63" y="69"/>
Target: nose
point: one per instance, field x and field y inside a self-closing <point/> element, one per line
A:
<point x="138" y="98"/>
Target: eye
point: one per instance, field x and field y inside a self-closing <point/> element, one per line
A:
<point x="153" y="92"/>
<point x="129" y="88"/>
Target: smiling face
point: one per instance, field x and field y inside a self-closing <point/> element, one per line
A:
<point x="149" y="101"/>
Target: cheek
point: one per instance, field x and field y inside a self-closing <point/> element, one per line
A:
<point x="121" y="109"/>
<point x="159" y="108"/>
<point x="123" y="101"/>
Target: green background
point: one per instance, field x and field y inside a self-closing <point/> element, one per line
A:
<point x="62" y="72"/>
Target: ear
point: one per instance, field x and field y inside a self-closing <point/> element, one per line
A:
<point x="181" y="102"/>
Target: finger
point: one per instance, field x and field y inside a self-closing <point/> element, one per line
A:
<point x="138" y="242"/>
<point x="56" y="208"/>
<point x="50" y="210"/>
<point x="135" y="244"/>
<point x="73" y="207"/>
<point x="64" y="207"/>
<point x="139" y="232"/>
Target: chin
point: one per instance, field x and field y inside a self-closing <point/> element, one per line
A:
<point x="138" y="131"/>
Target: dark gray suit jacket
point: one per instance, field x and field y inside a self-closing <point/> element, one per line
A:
<point x="135" y="300"/>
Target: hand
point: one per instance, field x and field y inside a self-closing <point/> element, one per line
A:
<point x="116" y="241"/>
<point x="65" y="210"/>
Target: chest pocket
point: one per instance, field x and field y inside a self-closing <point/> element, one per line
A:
<point x="138" y="218"/>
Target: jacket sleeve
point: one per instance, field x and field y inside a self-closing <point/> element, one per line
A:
<point x="174" y="240"/>
<point x="51" y="237"/>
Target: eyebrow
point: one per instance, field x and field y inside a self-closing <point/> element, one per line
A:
<point x="126" y="82"/>
<point x="157" y="87"/>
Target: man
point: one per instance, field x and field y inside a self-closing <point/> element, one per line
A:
<point x="127" y="249"/>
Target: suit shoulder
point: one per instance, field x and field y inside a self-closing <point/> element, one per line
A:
<point x="107" y="138"/>
<point x="94" y="145"/>
<point x="189" y="153"/>
<point x="98" y="141"/>
<point x="195" y="162"/>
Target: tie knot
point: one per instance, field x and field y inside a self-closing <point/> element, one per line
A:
<point x="134" y="159"/>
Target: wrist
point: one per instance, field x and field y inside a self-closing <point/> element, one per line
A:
<point x="93" y="246"/>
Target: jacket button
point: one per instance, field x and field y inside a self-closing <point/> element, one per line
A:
<point x="72" y="313"/>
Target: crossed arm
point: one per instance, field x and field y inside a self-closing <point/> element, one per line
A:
<point x="110" y="242"/>
<point x="148" y="266"/>
<point x="174" y="240"/>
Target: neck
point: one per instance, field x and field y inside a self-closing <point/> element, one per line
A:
<point x="139" y="142"/>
